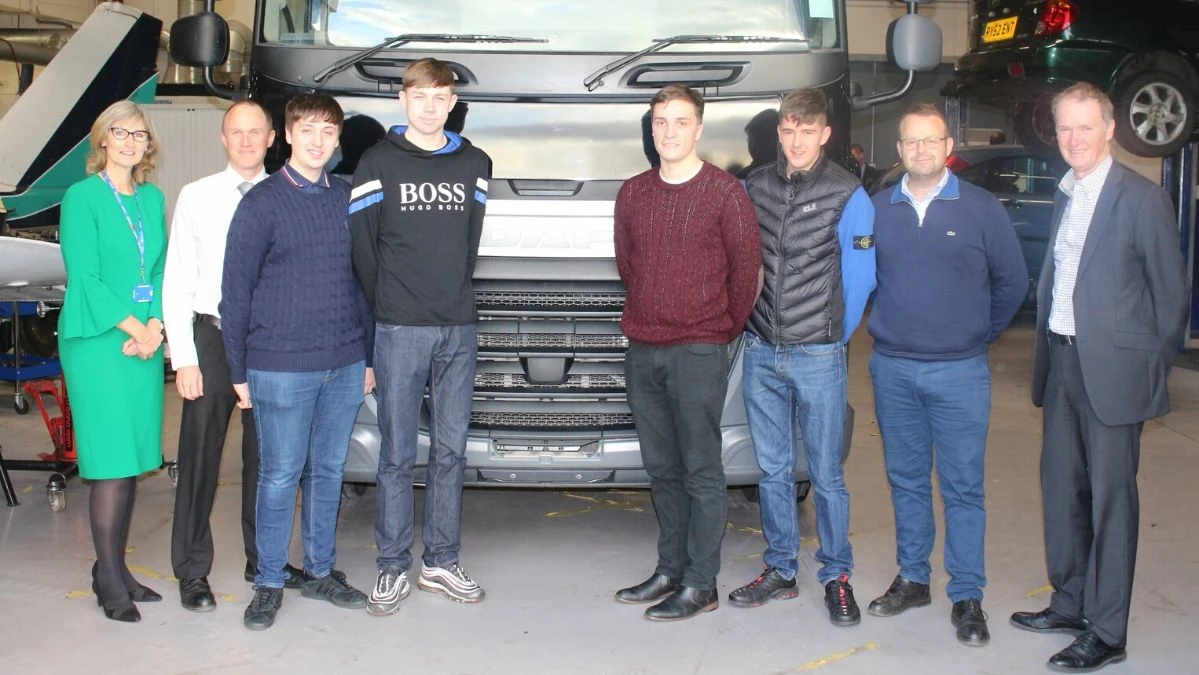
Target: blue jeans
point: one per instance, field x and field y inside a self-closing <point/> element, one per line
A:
<point x="805" y="385"/>
<point x="406" y="359"/>
<point x="304" y="422"/>
<point x="936" y="410"/>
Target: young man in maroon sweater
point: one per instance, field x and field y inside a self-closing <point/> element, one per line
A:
<point x="688" y="252"/>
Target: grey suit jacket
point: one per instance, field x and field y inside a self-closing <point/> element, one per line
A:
<point x="1130" y="300"/>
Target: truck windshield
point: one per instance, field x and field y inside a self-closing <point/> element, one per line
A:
<point x="609" y="26"/>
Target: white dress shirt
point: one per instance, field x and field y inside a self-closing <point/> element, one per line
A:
<point x="196" y="257"/>
<point x="1071" y="237"/>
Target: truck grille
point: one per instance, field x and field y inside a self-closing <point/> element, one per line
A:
<point x="551" y="421"/>
<point x="500" y="383"/>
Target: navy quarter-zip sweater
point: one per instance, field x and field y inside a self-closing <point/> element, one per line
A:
<point x="947" y="287"/>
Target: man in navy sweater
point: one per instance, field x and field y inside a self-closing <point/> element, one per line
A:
<point x="950" y="279"/>
<point x="416" y="217"/>
<point x="298" y="337"/>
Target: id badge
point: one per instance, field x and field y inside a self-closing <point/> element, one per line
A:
<point x="143" y="292"/>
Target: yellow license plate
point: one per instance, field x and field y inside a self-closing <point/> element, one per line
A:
<point x="1000" y="29"/>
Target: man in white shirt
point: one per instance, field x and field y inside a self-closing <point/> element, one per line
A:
<point x="191" y="293"/>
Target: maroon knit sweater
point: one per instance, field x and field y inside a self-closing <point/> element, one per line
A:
<point x="689" y="256"/>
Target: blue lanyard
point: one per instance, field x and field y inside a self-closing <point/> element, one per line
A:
<point x="139" y="232"/>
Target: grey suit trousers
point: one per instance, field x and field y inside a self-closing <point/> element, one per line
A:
<point x="1089" y="494"/>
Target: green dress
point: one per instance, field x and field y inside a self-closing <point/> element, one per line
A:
<point x="116" y="400"/>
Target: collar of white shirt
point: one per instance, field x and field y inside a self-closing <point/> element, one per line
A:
<point x="1091" y="184"/>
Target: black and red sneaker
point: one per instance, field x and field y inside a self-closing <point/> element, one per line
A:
<point x="770" y="585"/>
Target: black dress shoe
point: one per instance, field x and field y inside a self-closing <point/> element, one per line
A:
<point x="1046" y="621"/>
<point x="901" y="596"/>
<point x="196" y="595"/>
<point x="1088" y="654"/>
<point x="120" y="610"/>
<point x="652" y="589"/>
<point x="684" y="603"/>
<point x="970" y="620"/>
<point x="295" y="576"/>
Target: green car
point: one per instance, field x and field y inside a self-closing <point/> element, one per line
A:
<point x="1144" y="54"/>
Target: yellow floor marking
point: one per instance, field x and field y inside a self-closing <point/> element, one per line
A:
<point x="228" y="598"/>
<point x="1039" y="590"/>
<point x="597" y="504"/>
<point x="75" y="595"/>
<point x="823" y="661"/>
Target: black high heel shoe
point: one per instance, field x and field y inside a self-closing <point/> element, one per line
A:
<point x="139" y="594"/>
<point x="117" y="610"/>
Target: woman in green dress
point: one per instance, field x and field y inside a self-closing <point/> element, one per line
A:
<point x="109" y="336"/>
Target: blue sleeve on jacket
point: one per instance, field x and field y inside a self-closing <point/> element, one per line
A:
<point x="1009" y="272"/>
<point x="856" y="233"/>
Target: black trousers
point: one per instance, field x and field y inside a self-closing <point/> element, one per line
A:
<point x="677" y="398"/>
<point x="1092" y="508"/>
<point x="202" y="432"/>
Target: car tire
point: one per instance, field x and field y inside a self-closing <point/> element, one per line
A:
<point x="1034" y="127"/>
<point x="1155" y="113"/>
<point x="39" y="334"/>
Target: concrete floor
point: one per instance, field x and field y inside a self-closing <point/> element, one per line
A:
<point x="550" y="561"/>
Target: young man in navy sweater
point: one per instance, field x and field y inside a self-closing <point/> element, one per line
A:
<point x="416" y="217"/>
<point x="298" y="337"/>
<point x="950" y="279"/>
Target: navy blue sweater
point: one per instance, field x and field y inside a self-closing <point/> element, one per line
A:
<point x="947" y="287"/>
<point x="289" y="300"/>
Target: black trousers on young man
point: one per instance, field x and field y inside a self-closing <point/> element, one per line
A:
<point x="202" y="432"/>
<point x="677" y="397"/>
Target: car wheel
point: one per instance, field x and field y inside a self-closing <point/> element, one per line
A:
<point x="39" y="334"/>
<point x="1034" y="127"/>
<point x="1155" y="113"/>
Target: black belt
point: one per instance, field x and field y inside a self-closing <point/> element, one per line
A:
<point x="214" y="321"/>
<point x="1064" y="340"/>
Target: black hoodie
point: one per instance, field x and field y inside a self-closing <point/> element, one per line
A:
<point x="415" y="222"/>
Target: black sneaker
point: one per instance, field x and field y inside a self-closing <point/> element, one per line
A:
<point x="334" y="588"/>
<point x="770" y="585"/>
<point x="260" y="615"/>
<point x="838" y="598"/>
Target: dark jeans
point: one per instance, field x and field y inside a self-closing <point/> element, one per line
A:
<point x="677" y="396"/>
<point x="406" y="359"/>
<point x="202" y="431"/>
<point x="1092" y="507"/>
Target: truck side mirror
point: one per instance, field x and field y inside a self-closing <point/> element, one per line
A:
<point x="914" y="43"/>
<point x="200" y="40"/>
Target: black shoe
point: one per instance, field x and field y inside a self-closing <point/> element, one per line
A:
<point x="144" y="594"/>
<point x="260" y="615"/>
<point x="1046" y="621"/>
<point x="970" y="620"/>
<point x="838" y="598"/>
<point x="652" y="589"/>
<point x="295" y="577"/>
<point x="1088" y="654"/>
<point x="770" y="585"/>
<point x="684" y="603"/>
<point x="901" y="596"/>
<point x="196" y="595"/>
<point x="334" y="588"/>
<point x="120" y="610"/>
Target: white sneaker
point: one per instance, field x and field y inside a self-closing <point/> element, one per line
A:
<point x="451" y="580"/>
<point x="390" y="588"/>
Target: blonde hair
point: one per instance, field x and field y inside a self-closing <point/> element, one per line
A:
<point x="1085" y="91"/>
<point x="97" y="157"/>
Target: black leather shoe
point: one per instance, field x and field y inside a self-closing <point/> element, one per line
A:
<point x="901" y="596"/>
<point x="770" y="585"/>
<point x="120" y="610"/>
<point x="838" y="598"/>
<point x="196" y="595"/>
<point x="1046" y="621"/>
<point x="684" y="603"/>
<point x="144" y="594"/>
<point x="295" y="576"/>
<point x="652" y="589"/>
<point x="970" y="620"/>
<point x="1088" y="654"/>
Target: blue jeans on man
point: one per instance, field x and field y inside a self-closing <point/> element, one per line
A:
<point x="804" y="385"/>
<point x="406" y="359"/>
<point x="304" y="422"/>
<point x="936" y="412"/>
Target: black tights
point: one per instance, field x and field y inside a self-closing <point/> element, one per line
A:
<point x="111" y="506"/>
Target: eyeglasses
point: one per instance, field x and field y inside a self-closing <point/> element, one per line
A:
<point x="911" y="143"/>
<point x="140" y="136"/>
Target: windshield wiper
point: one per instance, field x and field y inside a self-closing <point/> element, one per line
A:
<point x="399" y="40"/>
<point x="596" y="80"/>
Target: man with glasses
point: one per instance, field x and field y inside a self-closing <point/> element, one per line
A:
<point x="950" y="278"/>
